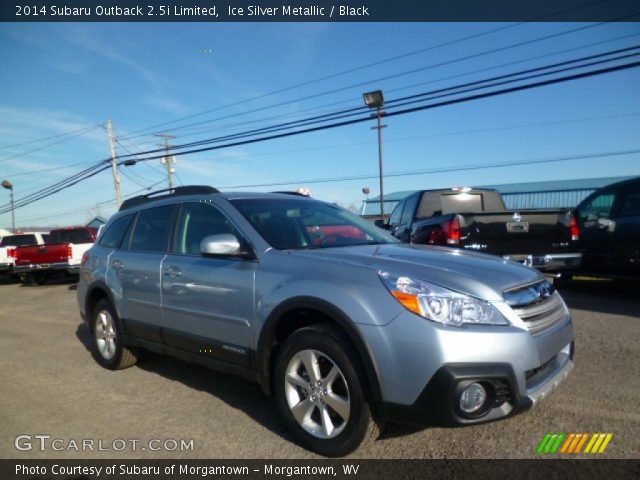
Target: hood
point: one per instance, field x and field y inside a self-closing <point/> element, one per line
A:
<point x="476" y="274"/>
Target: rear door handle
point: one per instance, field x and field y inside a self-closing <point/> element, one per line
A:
<point x="117" y="265"/>
<point x="172" y="271"/>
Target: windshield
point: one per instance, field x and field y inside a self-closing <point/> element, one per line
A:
<point x="299" y="223"/>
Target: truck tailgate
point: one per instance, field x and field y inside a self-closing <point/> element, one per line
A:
<point x="42" y="254"/>
<point x="522" y="232"/>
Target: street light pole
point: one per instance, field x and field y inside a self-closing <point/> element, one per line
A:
<point x="9" y="186"/>
<point x="375" y="100"/>
<point x="380" y="161"/>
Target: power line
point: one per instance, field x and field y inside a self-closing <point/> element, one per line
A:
<point x="397" y="75"/>
<point x="22" y="154"/>
<point x="74" y="133"/>
<point x="443" y="134"/>
<point x="101" y="167"/>
<point x="477" y="166"/>
<point x="299" y="113"/>
<point x="416" y="98"/>
<point x="369" y="65"/>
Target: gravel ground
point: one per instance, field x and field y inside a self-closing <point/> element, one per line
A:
<point x="50" y="384"/>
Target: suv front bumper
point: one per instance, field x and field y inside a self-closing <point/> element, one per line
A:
<point x="423" y="367"/>
<point x="437" y="403"/>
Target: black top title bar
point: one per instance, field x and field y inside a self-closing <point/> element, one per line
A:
<point x="319" y="11"/>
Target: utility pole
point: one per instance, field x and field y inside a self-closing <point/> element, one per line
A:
<point x="169" y="160"/>
<point x="114" y="163"/>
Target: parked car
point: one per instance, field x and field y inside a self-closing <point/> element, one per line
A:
<point x="476" y="219"/>
<point x="610" y="231"/>
<point x="346" y="326"/>
<point x="8" y="246"/>
<point x="62" y="252"/>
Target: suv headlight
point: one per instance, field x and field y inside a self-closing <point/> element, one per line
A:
<point x="440" y="304"/>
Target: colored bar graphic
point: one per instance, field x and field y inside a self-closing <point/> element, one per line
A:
<point x="573" y="443"/>
<point x="543" y="443"/>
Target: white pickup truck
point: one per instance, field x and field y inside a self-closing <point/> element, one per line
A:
<point x="8" y="246"/>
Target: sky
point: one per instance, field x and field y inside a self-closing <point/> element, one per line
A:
<point x="57" y="78"/>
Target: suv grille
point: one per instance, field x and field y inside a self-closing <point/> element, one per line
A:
<point x="539" y="306"/>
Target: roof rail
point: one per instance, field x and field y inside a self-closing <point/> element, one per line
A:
<point x="176" y="191"/>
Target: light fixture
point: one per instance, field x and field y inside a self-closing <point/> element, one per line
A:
<point x="374" y="99"/>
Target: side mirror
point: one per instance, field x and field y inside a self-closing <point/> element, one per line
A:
<point x="606" y="224"/>
<point x="224" y="244"/>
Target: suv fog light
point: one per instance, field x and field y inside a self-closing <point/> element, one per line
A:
<point x="473" y="398"/>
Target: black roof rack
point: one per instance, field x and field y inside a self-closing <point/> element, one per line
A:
<point x="188" y="190"/>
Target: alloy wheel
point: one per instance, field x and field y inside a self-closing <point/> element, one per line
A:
<point x="317" y="394"/>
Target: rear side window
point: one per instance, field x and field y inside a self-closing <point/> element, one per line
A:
<point x="18" y="240"/>
<point x="112" y="238"/>
<point x="151" y="233"/>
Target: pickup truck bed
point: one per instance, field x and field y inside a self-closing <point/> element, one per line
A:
<point x="539" y="238"/>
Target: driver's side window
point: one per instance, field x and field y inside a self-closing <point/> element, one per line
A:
<point x="599" y="207"/>
<point x="197" y="221"/>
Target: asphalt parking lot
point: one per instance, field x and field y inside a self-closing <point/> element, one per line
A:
<point x="50" y="384"/>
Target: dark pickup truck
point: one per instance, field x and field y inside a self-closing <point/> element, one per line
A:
<point x="476" y="219"/>
<point x="609" y="221"/>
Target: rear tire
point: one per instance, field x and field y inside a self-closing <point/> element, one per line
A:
<point x="328" y="410"/>
<point x="107" y="339"/>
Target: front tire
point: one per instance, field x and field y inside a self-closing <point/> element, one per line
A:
<point x="320" y="394"/>
<point x="109" y="350"/>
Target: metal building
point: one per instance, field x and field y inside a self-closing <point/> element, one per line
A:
<point x="517" y="196"/>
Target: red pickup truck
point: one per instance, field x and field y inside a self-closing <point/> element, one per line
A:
<point x="62" y="252"/>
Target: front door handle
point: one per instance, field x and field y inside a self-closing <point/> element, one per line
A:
<point x="172" y="271"/>
<point x="117" y="265"/>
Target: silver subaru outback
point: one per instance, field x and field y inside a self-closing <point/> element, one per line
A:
<point x="344" y="325"/>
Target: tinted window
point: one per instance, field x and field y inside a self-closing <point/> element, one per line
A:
<point x="461" y="203"/>
<point x="113" y="236"/>
<point x="18" y="240"/>
<point x="197" y="221"/>
<point x="630" y="204"/>
<point x="599" y="207"/>
<point x="304" y="224"/>
<point x="152" y="229"/>
<point x="394" y="219"/>
<point x="409" y="210"/>
<point x="79" y="235"/>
